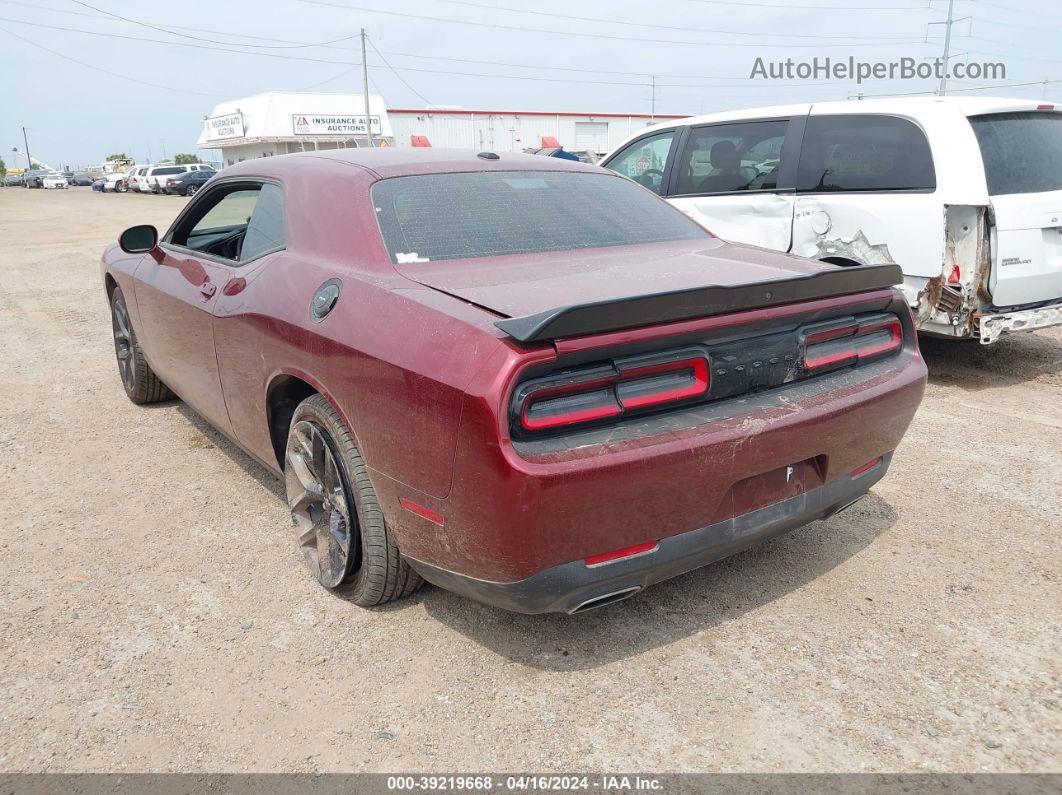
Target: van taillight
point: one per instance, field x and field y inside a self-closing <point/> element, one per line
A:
<point x="612" y="390"/>
<point x="852" y="343"/>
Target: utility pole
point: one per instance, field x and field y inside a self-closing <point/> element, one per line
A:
<point x="947" y="47"/>
<point x="25" y="140"/>
<point x="652" y="101"/>
<point x="365" y="76"/>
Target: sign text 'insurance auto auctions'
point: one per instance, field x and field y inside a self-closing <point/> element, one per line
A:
<point x="311" y="124"/>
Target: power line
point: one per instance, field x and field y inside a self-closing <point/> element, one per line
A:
<point x="396" y="74"/>
<point x="530" y="78"/>
<point x="841" y="7"/>
<point x="537" y="67"/>
<point x="974" y="88"/>
<point x="209" y="40"/>
<point x="1024" y="45"/>
<point x="66" y="57"/>
<point x="671" y="42"/>
<point x="1009" y="9"/>
<point x="680" y="28"/>
<point x="314" y="60"/>
<point x="1039" y="29"/>
<point x="172" y="43"/>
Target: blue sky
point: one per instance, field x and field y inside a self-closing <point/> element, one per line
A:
<point x="86" y="83"/>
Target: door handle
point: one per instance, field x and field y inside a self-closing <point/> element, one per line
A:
<point x="207" y="290"/>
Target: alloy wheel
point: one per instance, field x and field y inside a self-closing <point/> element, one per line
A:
<point x="123" y="344"/>
<point x="318" y="502"/>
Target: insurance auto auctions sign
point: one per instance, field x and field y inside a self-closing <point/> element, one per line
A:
<point x="220" y="127"/>
<point x="320" y="124"/>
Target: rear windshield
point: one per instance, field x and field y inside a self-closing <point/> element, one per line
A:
<point x="487" y="213"/>
<point x="1022" y="151"/>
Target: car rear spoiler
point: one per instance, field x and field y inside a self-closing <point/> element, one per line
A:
<point x="621" y="313"/>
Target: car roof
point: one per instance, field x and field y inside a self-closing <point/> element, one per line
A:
<point x="394" y="161"/>
<point x="967" y="106"/>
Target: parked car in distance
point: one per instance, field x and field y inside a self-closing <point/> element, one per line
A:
<point x="54" y="180"/>
<point x="136" y="179"/>
<point x="33" y="178"/>
<point x="965" y="194"/>
<point x="116" y="181"/>
<point x="187" y="184"/>
<point x="524" y="379"/>
<point x="80" y="180"/>
<point x="12" y="180"/>
<point x="156" y="175"/>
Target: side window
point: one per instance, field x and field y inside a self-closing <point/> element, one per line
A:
<point x="219" y="223"/>
<point x="265" y="230"/>
<point x="724" y="158"/>
<point x="864" y="153"/>
<point x="644" y="159"/>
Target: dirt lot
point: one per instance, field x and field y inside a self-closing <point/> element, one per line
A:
<point x="155" y="614"/>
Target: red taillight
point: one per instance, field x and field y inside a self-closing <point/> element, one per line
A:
<point x="570" y="403"/>
<point x="663" y="383"/>
<point x="875" y="339"/>
<point x="620" y="554"/>
<point x="1045" y="107"/>
<point x="852" y="343"/>
<point x="612" y="390"/>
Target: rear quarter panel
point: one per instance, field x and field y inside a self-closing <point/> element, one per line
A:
<point x="392" y="357"/>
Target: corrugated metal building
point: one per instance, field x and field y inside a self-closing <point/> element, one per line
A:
<point x="515" y="130"/>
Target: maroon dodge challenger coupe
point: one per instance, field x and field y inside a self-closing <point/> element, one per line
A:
<point x="527" y="380"/>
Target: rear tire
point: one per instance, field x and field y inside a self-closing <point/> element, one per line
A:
<point x="140" y="382"/>
<point x="338" y="521"/>
<point x="191" y="190"/>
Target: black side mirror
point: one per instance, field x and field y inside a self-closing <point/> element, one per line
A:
<point x="139" y="239"/>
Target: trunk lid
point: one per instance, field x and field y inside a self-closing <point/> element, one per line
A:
<point x="529" y="284"/>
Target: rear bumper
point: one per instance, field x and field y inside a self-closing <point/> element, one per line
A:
<point x="992" y="326"/>
<point x="576" y="587"/>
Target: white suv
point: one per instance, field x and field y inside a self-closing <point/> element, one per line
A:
<point x="155" y="179"/>
<point x="965" y="194"/>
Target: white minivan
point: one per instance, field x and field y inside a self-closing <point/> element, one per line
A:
<point x="965" y="194"/>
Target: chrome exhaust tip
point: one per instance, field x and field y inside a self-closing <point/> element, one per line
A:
<point x="605" y="599"/>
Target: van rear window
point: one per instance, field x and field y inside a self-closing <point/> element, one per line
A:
<point x="1022" y="151"/>
<point x="490" y="213"/>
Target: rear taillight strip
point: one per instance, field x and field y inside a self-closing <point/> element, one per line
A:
<point x="852" y="343"/>
<point x="626" y="389"/>
<point x="697" y="385"/>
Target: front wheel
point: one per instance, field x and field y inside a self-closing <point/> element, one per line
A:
<point x="119" y="187"/>
<point x="140" y="382"/>
<point x="339" y="525"/>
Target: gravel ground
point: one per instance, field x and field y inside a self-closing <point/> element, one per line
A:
<point x="155" y="615"/>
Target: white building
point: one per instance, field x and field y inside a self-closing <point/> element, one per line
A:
<point x="515" y="130"/>
<point x="277" y="124"/>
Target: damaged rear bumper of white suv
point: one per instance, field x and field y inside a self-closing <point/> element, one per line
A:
<point x="992" y="326"/>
